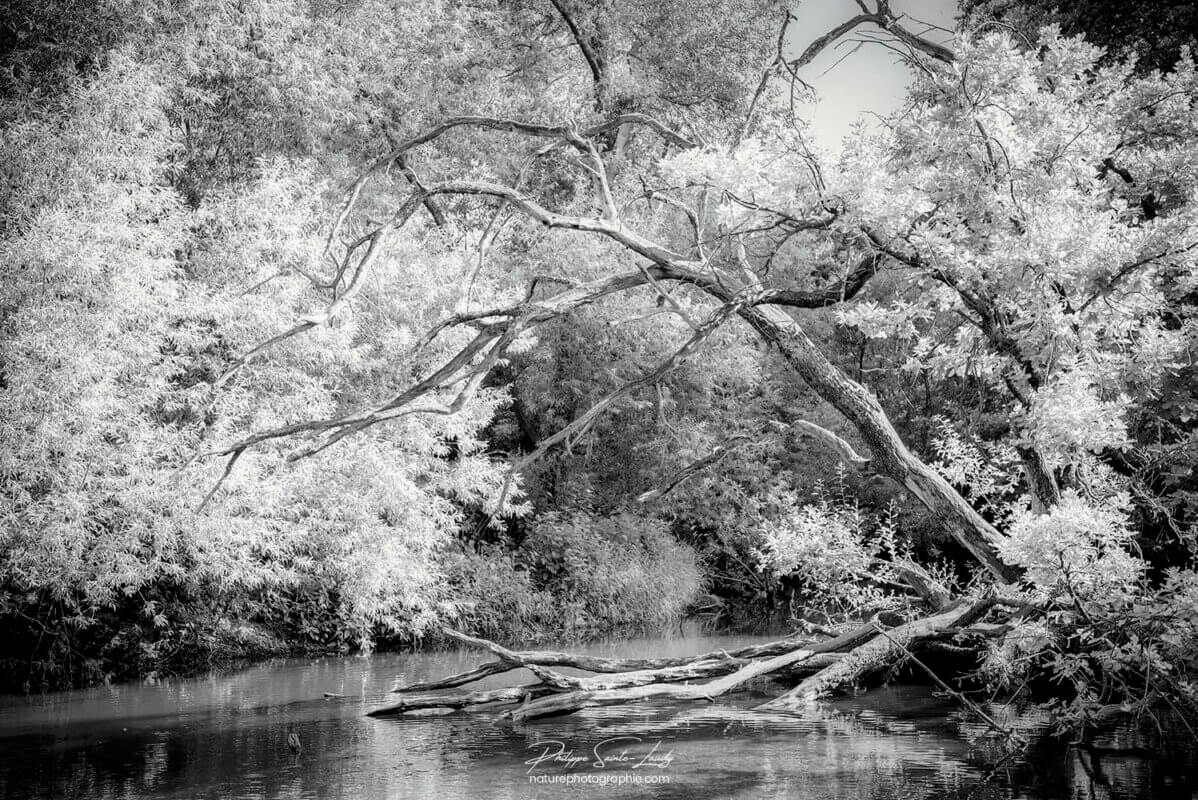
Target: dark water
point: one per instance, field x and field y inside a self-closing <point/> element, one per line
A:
<point x="224" y="736"/>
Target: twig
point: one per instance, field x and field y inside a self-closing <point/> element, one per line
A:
<point x="972" y="706"/>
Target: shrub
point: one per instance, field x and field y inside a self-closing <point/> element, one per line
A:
<point x="493" y="593"/>
<point x="833" y="551"/>
<point x="1129" y="647"/>
<point x="609" y="571"/>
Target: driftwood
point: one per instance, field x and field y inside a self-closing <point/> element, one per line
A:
<point x="513" y="694"/>
<point x="822" y="668"/>
<point x="840" y="672"/>
<point x="877" y="653"/>
<point x="586" y="686"/>
<point x="556" y="704"/>
<point x="547" y="676"/>
<point x="599" y="664"/>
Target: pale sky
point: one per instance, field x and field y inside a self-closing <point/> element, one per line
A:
<point x="870" y="79"/>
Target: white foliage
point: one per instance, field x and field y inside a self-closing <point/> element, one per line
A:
<point x="1067" y="418"/>
<point x="1079" y="546"/>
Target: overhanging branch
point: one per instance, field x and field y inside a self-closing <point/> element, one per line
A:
<point x="885" y="19"/>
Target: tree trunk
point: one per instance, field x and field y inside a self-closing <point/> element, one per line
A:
<point x="597" y="664"/>
<point x="830" y="664"/>
<point x="878" y="653"/>
<point x="890" y="455"/>
<point x="569" y="702"/>
<point x="451" y="702"/>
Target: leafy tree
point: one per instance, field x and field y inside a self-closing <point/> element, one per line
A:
<point x="1156" y="35"/>
<point x="167" y="172"/>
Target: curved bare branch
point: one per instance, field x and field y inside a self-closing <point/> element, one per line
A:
<point x="885" y="19"/>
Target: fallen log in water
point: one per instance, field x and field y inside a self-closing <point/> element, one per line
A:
<point x="825" y="668"/>
<point x="877" y="653"/>
<point x="513" y="694"/>
<point x="599" y="664"/>
<point x="820" y="656"/>
<point x="569" y="702"/>
<point x="617" y="681"/>
<point x="555" y="704"/>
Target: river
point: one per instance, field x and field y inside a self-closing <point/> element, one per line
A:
<point x="224" y="735"/>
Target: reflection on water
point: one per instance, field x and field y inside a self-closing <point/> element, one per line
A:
<point x="225" y="736"/>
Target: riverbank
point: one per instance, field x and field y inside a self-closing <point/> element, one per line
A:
<point x="579" y="574"/>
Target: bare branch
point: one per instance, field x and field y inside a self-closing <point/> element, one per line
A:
<point x="1128" y="269"/>
<point x="376" y="242"/>
<point x="600" y="170"/>
<point x="447" y="373"/>
<point x="884" y="19"/>
<point x="548" y="676"/>
<point x="845" y="450"/>
<point x="693" y="468"/>
<point x="613" y="229"/>
<point x="662" y="130"/>
<point x="564" y="133"/>
<point x="589" y="47"/>
<point x="777" y="63"/>
<point x="650" y="195"/>
<point x="434" y="209"/>
<point x="516" y="320"/>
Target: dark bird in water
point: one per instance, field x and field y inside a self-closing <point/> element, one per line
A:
<point x="293" y="742"/>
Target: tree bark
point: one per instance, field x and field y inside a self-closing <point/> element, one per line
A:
<point x="890" y="455"/>
<point x="513" y="694"/>
<point x="599" y="664"/>
<point x="569" y="702"/>
<point x="879" y="652"/>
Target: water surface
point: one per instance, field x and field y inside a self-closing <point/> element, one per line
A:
<point x="225" y="736"/>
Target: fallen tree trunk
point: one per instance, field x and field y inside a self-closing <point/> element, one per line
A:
<point x="574" y="701"/>
<point x="627" y="681"/>
<point x="823" y="668"/>
<point x="877" y="653"/>
<point x="556" y="704"/>
<point x="702" y="669"/>
<point x="512" y="694"/>
<point x="598" y="664"/>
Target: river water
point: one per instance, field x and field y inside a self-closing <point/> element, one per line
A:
<point x="225" y="736"/>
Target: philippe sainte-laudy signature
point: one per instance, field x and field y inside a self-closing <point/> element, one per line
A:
<point x="613" y="752"/>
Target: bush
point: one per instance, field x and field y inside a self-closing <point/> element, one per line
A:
<point x="839" y="557"/>
<point x="120" y="306"/>
<point x="575" y="572"/>
<point x="612" y="571"/>
<point x="494" y="595"/>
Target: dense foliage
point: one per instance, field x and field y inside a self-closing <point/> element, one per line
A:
<point x="169" y="174"/>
